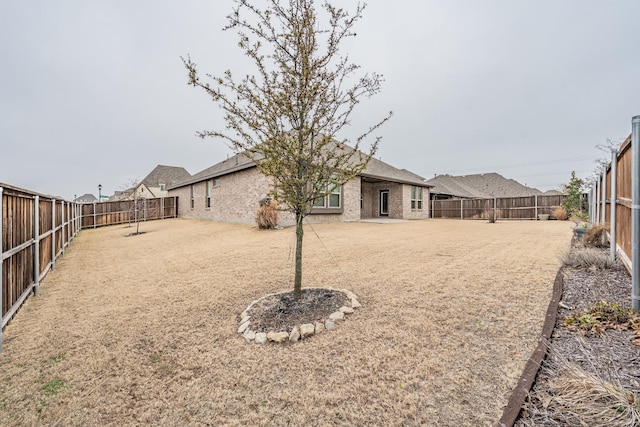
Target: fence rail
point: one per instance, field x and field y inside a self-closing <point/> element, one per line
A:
<point x="128" y="211"/>
<point x="35" y="230"/>
<point x="520" y="208"/>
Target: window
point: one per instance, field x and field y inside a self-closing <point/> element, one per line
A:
<point x="193" y="200"/>
<point x="416" y="197"/>
<point x="332" y="201"/>
<point x="209" y="185"/>
<point x="162" y="187"/>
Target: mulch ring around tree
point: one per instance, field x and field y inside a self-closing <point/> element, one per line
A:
<point x="280" y="317"/>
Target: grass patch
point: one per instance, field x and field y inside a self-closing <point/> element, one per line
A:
<point x="54" y="386"/>
<point x="602" y="316"/>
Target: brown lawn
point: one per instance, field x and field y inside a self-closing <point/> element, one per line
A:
<point x="142" y="330"/>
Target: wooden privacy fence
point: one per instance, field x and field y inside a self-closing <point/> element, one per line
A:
<point x="128" y="211"/>
<point x="528" y="207"/>
<point x="602" y="198"/>
<point x="35" y="230"/>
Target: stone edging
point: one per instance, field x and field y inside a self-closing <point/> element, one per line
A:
<point x="299" y="331"/>
<point x="519" y="394"/>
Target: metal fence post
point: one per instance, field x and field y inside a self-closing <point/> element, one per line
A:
<point x="1" y="262"/>
<point x="614" y="197"/>
<point x="597" y="221"/>
<point x="461" y="209"/>
<point x="94" y="214"/>
<point x="53" y="233"/>
<point x="535" y="212"/>
<point x="635" y="212"/>
<point x="162" y="208"/>
<point x="36" y="247"/>
<point x="62" y="231"/>
<point x="604" y="196"/>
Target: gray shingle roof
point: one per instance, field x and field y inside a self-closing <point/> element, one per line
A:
<point x="376" y="169"/>
<point x="167" y="175"/>
<point x="480" y="186"/>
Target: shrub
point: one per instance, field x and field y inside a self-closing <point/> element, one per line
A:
<point x="588" y="258"/>
<point x="490" y="215"/>
<point x="596" y="236"/>
<point x="560" y="213"/>
<point x="267" y="215"/>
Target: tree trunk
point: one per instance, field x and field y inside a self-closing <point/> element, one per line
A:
<point x="297" y="285"/>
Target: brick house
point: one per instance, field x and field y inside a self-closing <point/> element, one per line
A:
<point x="155" y="184"/>
<point x="231" y="190"/>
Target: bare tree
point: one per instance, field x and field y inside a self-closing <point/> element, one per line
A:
<point x="130" y="190"/>
<point x="287" y="116"/>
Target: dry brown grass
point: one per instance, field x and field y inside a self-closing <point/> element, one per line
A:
<point x="142" y="330"/>
<point x="560" y="214"/>
<point x="576" y="396"/>
<point x="596" y="236"/>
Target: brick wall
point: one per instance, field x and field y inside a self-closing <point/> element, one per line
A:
<point x="236" y="197"/>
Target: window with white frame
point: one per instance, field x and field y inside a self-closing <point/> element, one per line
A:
<point x="333" y="200"/>
<point x="209" y="186"/>
<point x="416" y="197"/>
<point x="193" y="199"/>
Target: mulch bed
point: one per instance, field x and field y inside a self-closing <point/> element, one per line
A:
<point x="281" y="312"/>
<point x="609" y="355"/>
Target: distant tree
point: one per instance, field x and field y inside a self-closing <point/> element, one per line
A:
<point x="572" y="201"/>
<point x="287" y="115"/>
<point x="130" y="189"/>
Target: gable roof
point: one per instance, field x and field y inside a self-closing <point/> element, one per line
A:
<point x="376" y="170"/>
<point x="167" y="175"/>
<point x="86" y="198"/>
<point x="484" y="185"/>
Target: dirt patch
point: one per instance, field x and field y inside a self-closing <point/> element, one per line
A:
<point x="281" y="312"/>
<point x="144" y="330"/>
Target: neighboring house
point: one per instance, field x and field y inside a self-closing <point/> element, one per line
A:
<point x="86" y="198"/>
<point x="231" y="191"/>
<point x="484" y="185"/>
<point x="155" y="184"/>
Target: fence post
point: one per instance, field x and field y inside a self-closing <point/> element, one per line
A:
<point x="1" y="262"/>
<point x="461" y="209"/>
<point x="614" y="197"/>
<point x="69" y="222"/>
<point x="94" y="214"/>
<point x="62" y="231"/>
<point x="604" y="196"/>
<point x="144" y="207"/>
<point x="175" y="206"/>
<point x="53" y="233"/>
<point x="594" y="203"/>
<point x="36" y="243"/>
<point x="495" y="205"/>
<point x="535" y="212"/>
<point x="597" y="204"/>
<point x="162" y="208"/>
<point x="635" y="212"/>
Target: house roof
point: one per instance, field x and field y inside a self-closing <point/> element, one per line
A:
<point x="480" y="186"/>
<point x="375" y="170"/>
<point x="167" y="175"/>
<point x="86" y="198"/>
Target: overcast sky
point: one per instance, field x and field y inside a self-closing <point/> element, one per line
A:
<point x="94" y="92"/>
